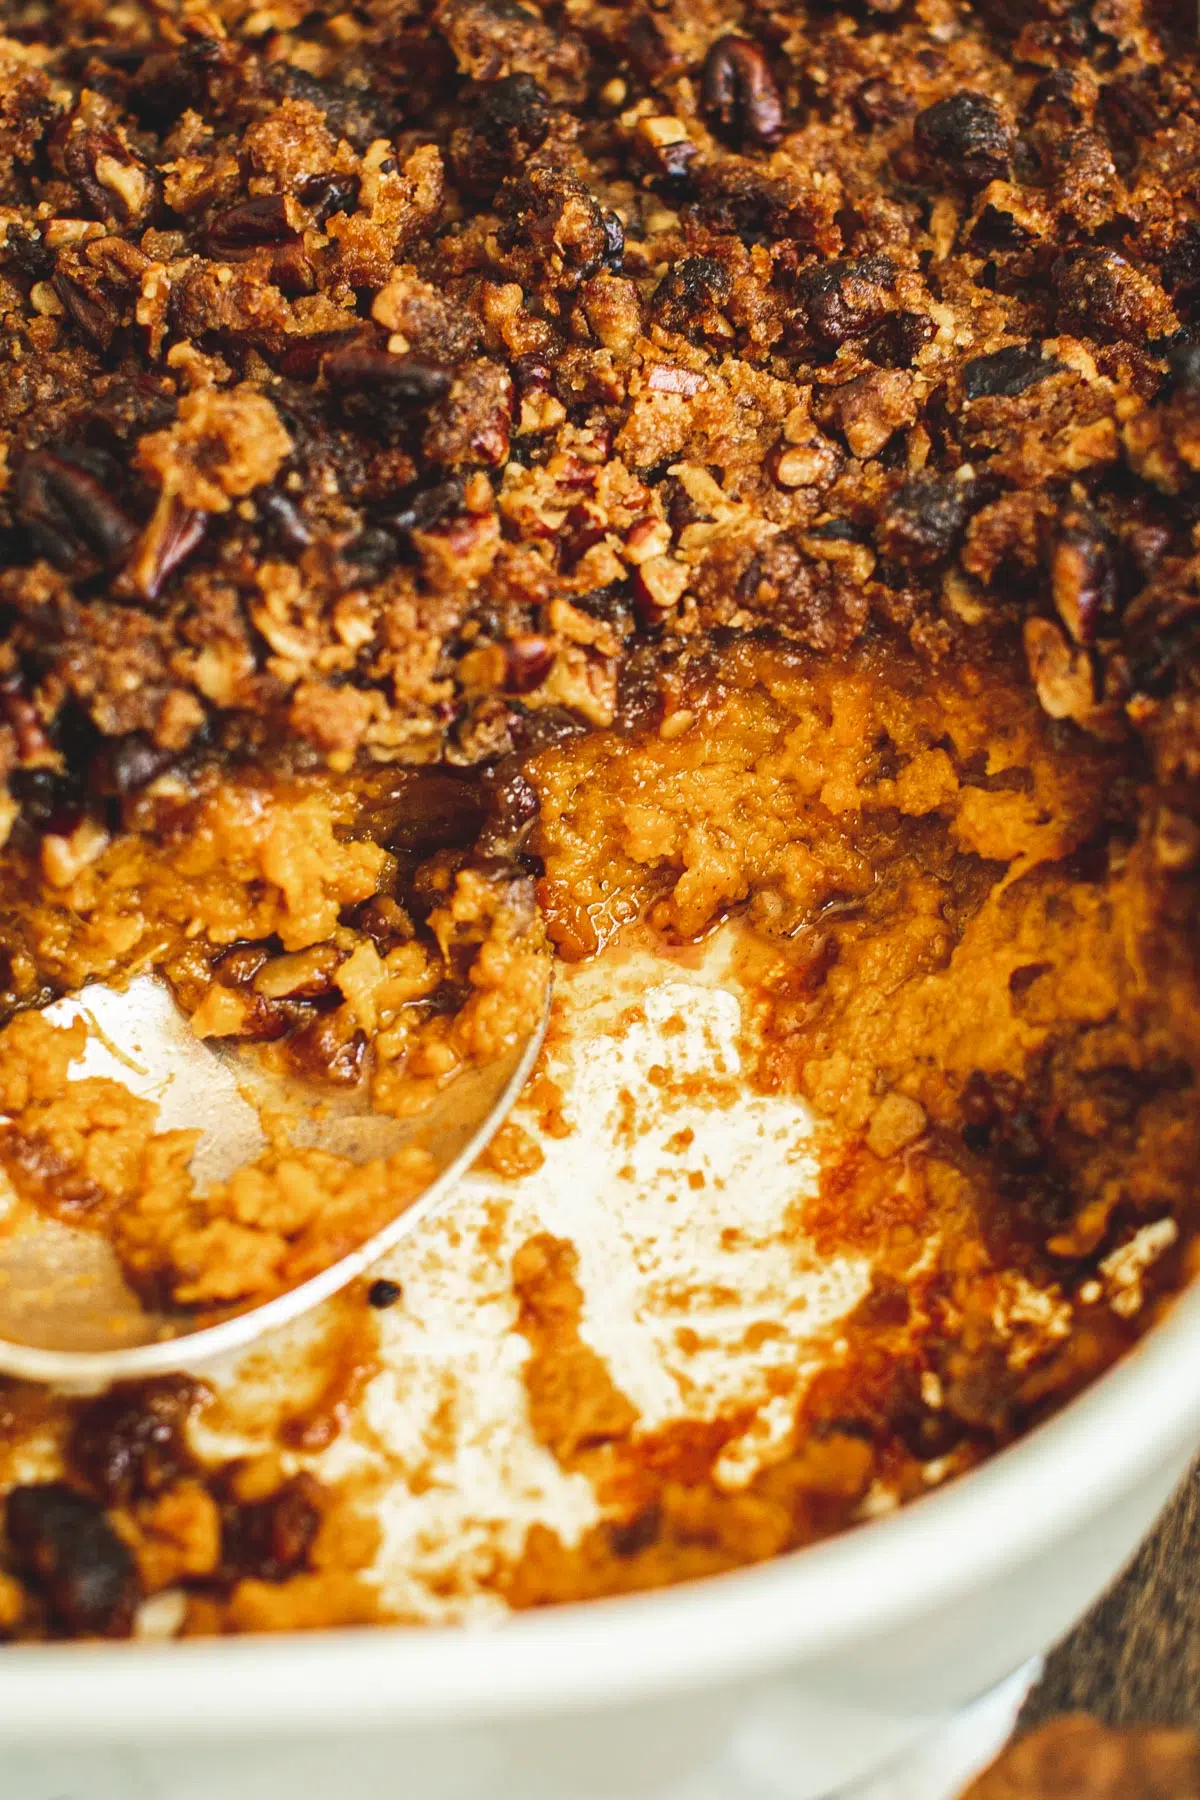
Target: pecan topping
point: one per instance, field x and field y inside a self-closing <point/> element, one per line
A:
<point x="174" y="531"/>
<point x="472" y="423"/>
<point x="92" y="310"/>
<point x="1181" y="266"/>
<point x="300" y="975"/>
<point x="113" y="183"/>
<point x="847" y="299"/>
<point x="687" y="291"/>
<point x="739" y="93"/>
<point x="1103" y="292"/>
<point x="527" y="663"/>
<point x="284" y="521"/>
<point x="70" y="518"/>
<point x="381" y="390"/>
<point x="512" y="809"/>
<point x="21" y="717"/>
<point x="497" y="38"/>
<point x="662" y="146"/>
<point x="404" y="389"/>
<point x="329" y="1050"/>
<point x="325" y="195"/>
<point x="223" y="444"/>
<point x="26" y="251"/>
<point x="249" y="226"/>
<point x="1063" y="675"/>
<point x="127" y="765"/>
<point x="1083" y="575"/>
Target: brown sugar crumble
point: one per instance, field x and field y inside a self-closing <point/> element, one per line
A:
<point x="485" y="479"/>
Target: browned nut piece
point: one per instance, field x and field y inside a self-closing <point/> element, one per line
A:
<point x="660" y="583"/>
<point x="739" y="93"/>
<point x="811" y="465"/>
<point x="1062" y="673"/>
<point x="172" y="533"/>
<point x="663" y="146"/>
<point x="527" y="662"/>
<point x="64" y="855"/>
<point x="265" y="221"/>
<point x="1083" y="575"/>
<point x="21" y="716"/>
<point x="113" y="183"/>
<point x="70" y="518"/>
<point x="305" y="975"/>
<point x="408" y="380"/>
<point x="659" y="132"/>
<point x="647" y="538"/>
<point x="237" y="966"/>
<point x="93" y="312"/>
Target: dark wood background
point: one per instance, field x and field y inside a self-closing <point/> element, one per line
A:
<point x="1135" y="1659"/>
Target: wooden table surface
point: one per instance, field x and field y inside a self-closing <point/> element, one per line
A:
<point x="1136" y="1658"/>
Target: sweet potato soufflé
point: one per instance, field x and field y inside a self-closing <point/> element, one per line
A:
<point x="487" y="485"/>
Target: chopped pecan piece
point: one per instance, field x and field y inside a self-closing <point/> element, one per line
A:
<point x="1083" y="575"/>
<point x="21" y="716"/>
<point x="70" y="518"/>
<point x="527" y="662"/>
<point x="381" y="390"/>
<point x="325" y="195"/>
<point x="663" y="148"/>
<point x="94" y="311"/>
<point x="265" y="221"/>
<point x="689" y="292"/>
<point x="113" y="182"/>
<point x="494" y="38"/>
<point x="740" y="94"/>
<point x="472" y="423"/>
<point x="1062" y="674"/>
<point x="173" y="532"/>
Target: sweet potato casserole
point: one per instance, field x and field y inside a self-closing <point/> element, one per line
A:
<point x="486" y="482"/>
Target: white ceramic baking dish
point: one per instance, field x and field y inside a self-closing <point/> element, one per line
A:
<point x="791" y="1678"/>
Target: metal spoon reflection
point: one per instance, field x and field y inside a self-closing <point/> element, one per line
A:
<point x="66" y="1313"/>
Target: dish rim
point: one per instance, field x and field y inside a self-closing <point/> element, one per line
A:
<point x="584" y="1656"/>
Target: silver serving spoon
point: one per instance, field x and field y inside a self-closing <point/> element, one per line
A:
<point x="66" y="1312"/>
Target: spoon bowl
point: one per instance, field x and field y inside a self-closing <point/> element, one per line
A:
<point x="68" y="1316"/>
